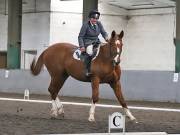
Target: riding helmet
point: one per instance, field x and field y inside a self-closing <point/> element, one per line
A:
<point x="94" y="14"/>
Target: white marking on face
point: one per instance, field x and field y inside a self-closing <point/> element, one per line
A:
<point x="117" y="56"/>
<point x="117" y="42"/>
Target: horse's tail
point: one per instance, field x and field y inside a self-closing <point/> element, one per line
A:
<point x="37" y="66"/>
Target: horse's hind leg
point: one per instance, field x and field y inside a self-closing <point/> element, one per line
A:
<point x="116" y="86"/>
<point x="54" y="87"/>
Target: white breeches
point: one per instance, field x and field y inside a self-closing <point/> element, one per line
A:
<point x="89" y="50"/>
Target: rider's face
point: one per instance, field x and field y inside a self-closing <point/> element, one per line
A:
<point x="93" y="20"/>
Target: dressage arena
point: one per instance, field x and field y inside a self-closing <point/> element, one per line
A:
<point x="138" y="63"/>
<point x="32" y="117"/>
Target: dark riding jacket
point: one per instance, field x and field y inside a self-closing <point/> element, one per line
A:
<point x="89" y="33"/>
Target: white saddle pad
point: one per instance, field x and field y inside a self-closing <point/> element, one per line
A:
<point x="77" y="54"/>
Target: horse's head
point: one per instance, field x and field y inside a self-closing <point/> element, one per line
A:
<point x="116" y="44"/>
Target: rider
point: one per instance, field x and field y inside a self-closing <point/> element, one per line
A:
<point x="88" y="37"/>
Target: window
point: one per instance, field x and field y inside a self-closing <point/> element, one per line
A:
<point x="28" y="57"/>
<point x="3" y="59"/>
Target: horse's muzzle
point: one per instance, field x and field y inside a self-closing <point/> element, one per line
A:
<point x="116" y="63"/>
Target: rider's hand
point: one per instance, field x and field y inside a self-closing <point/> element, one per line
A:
<point x="82" y="49"/>
<point x="107" y="40"/>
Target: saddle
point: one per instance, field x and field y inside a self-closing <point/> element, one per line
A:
<point x="81" y="56"/>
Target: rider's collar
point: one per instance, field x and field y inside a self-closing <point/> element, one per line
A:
<point x="91" y="23"/>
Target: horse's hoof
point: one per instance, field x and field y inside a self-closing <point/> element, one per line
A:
<point x="91" y="120"/>
<point x="61" y="115"/>
<point x="135" y="120"/>
<point x="61" y="111"/>
<point x="53" y="118"/>
<point x="129" y="114"/>
<point x="132" y="118"/>
<point x="53" y="114"/>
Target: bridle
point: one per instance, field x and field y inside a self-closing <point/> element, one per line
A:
<point x="116" y="55"/>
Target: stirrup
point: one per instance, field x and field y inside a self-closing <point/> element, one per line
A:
<point x="87" y="73"/>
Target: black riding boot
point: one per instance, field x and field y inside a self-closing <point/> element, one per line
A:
<point x="88" y="65"/>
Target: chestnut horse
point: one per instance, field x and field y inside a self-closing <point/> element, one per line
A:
<point x="60" y="64"/>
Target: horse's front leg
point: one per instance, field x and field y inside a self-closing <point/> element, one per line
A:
<point x="117" y="90"/>
<point x="95" y="97"/>
<point x="59" y="106"/>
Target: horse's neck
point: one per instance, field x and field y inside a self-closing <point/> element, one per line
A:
<point x="105" y="52"/>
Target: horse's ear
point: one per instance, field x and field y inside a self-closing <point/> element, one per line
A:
<point x="121" y="34"/>
<point x="113" y="34"/>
